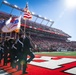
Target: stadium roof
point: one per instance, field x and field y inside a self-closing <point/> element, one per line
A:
<point x="33" y="14"/>
<point x="42" y="23"/>
<point x="38" y="26"/>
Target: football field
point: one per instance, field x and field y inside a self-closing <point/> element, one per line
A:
<point x="68" y="53"/>
<point x="46" y="63"/>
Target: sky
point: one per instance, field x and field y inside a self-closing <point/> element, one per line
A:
<point x="62" y="12"/>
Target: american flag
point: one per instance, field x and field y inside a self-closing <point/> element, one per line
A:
<point x="27" y="13"/>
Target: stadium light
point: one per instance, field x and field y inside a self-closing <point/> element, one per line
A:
<point x="50" y="20"/>
<point x="5" y="2"/>
<point x="33" y="13"/>
<point x="39" y="15"/>
<point x="15" y="6"/>
<point x="45" y="18"/>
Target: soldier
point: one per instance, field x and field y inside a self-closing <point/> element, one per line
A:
<point x="19" y="50"/>
<point x="6" y="49"/>
<point x="27" y="51"/>
<point x="1" y="51"/>
<point x="13" y="54"/>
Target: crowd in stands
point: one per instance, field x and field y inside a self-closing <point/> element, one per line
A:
<point x="42" y="43"/>
<point x="46" y="44"/>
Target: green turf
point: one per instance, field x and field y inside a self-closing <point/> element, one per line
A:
<point x="58" y="53"/>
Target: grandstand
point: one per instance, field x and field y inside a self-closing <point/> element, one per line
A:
<point x="45" y="38"/>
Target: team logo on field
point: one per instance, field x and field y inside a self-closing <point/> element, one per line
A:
<point x="61" y="65"/>
<point x="46" y="65"/>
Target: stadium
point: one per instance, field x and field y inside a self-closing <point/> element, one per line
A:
<point x="51" y="47"/>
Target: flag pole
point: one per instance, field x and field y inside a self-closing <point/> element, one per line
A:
<point x="10" y="16"/>
<point x="20" y="27"/>
<point x="25" y="10"/>
<point x="27" y="16"/>
<point x="26" y="7"/>
<point x="25" y="27"/>
<point x="15" y="34"/>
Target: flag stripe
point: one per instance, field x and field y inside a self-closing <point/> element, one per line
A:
<point x="27" y="13"/>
